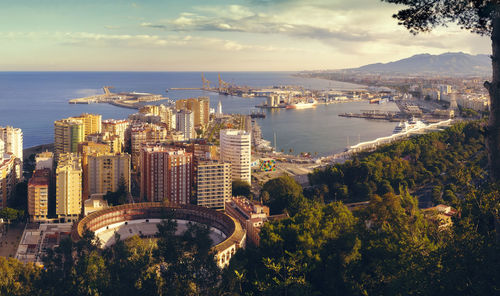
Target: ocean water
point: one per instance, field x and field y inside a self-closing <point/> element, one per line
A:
<point x="32" y="101"/>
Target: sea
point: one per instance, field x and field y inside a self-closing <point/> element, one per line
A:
<point x="32" y="101"/>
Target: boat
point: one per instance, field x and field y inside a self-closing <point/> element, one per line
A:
<point x="378" y="101"/>
<point x="302" y="105"/>
<point x="258" y="115"/>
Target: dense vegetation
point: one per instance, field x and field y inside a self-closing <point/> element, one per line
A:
<point x="446" y="162"/>
<point x="388" y="248"/>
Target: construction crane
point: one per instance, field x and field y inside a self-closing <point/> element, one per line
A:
<point x="205" y="82"/>
<point x="106" y="90"/>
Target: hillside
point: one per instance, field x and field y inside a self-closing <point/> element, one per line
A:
<point x="447" y="63"/>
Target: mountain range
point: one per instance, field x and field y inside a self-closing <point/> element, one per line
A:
<point x="452" y="63"/>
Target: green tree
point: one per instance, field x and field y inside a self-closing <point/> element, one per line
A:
<point x="284" y="194"/>
<point x="478" y="16"/>
<point x="16" y="278"/>
<point x="11" y="214"/>
<point x="119" y="197"/>
<point x="241" y="188"/>
<point x="188" y="265"/>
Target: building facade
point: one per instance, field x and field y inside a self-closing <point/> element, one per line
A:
<point x="38" y="195"/>
<point x="105" y="172"/>
<point x="200" y="108"/>
<point x="68" y="133"/>
<point x="117" y="128"/>
<point x="213" y="184"/>
<point x="166" y="174"/>
<point x="185" y="124"/>
<point x="68" y="187"/>
<point x="44" y="160"/>
<point x="8" y="178"/>
<point x="235" y="148"/>
<point x="92" y="123"/>
<point x="13" y="141"/>
<point x="141" y="134"/>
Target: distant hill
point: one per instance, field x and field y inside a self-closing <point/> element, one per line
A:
<point x="457" y="63"/>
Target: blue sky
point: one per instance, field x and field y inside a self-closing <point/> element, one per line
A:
<point x="217" y="35"/>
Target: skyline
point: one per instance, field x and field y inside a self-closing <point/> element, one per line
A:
<point x="245" y="35"/>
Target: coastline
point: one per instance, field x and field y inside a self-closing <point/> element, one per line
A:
<point x="27" y="152"/>
<point x="363" y="86"/>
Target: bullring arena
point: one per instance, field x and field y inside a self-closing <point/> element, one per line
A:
<point x="142" y="218"/>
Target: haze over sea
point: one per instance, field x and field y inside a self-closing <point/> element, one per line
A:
<point x="32" y="101"/>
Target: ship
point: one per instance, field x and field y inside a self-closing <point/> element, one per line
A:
<point x="258" y="115"/>
<point x="302" y="105"/>
<point x="407" y="126"/>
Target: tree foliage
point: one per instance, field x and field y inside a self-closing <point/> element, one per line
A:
<point x="423" y="15"/>
<point x="241" y="188"/>
<point x="284" y="194"/>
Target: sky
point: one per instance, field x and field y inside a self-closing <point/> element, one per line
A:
<point x="215" y="35"/>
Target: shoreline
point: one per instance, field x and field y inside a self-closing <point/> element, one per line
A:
<point x="28" y="151"/>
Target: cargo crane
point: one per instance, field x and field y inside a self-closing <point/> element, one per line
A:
<point x="106" y="89"/>
<point x="205" y="82"/>
<point x="223" y="86"/>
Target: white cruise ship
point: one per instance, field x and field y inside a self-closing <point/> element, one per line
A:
<point x="303" y="105"/>
<point x="406" y="126"/>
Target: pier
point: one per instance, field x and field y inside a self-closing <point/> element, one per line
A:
<point x="375" y="114"/>
<point x="132" y="100"/>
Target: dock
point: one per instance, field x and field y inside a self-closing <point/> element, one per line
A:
<point x="375" y="114"/>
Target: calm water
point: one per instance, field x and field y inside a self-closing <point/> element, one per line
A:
<point x="33" y="100"/>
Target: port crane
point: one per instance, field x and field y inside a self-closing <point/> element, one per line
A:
<point x="205" y="82"/>
<point x="223" y="86"/>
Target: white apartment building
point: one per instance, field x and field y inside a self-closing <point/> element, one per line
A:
<point x="235" y="148"/>
<point x="185" y="123"/>
<point x="13" y="141"/>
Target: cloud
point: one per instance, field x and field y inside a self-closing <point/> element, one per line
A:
<point x="335" y="24"/>
<point x="145" y="41"/>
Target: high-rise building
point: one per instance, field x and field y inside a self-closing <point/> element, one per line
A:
<point x="200" y="108"/>
<point x="85" y="149"/>
<point x="116" y="127"/>
<point x="68" y="187"/>
<point x="38" y="195"/>
<point x="213" y="184"/>
<point x="8" y="178"/>
<point x="235" y="148"/>
<point x="219" y="113"/>
<point x="185" y="123"/>
<point x="92" y="123"/>
<point x="2" y="149"/>
<point x="144" y="133"/>
<point x="166" y="174"/>
<point x="105" y="172"/>
<point x="68" y="133"/>
<point x="13" y="141"/>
